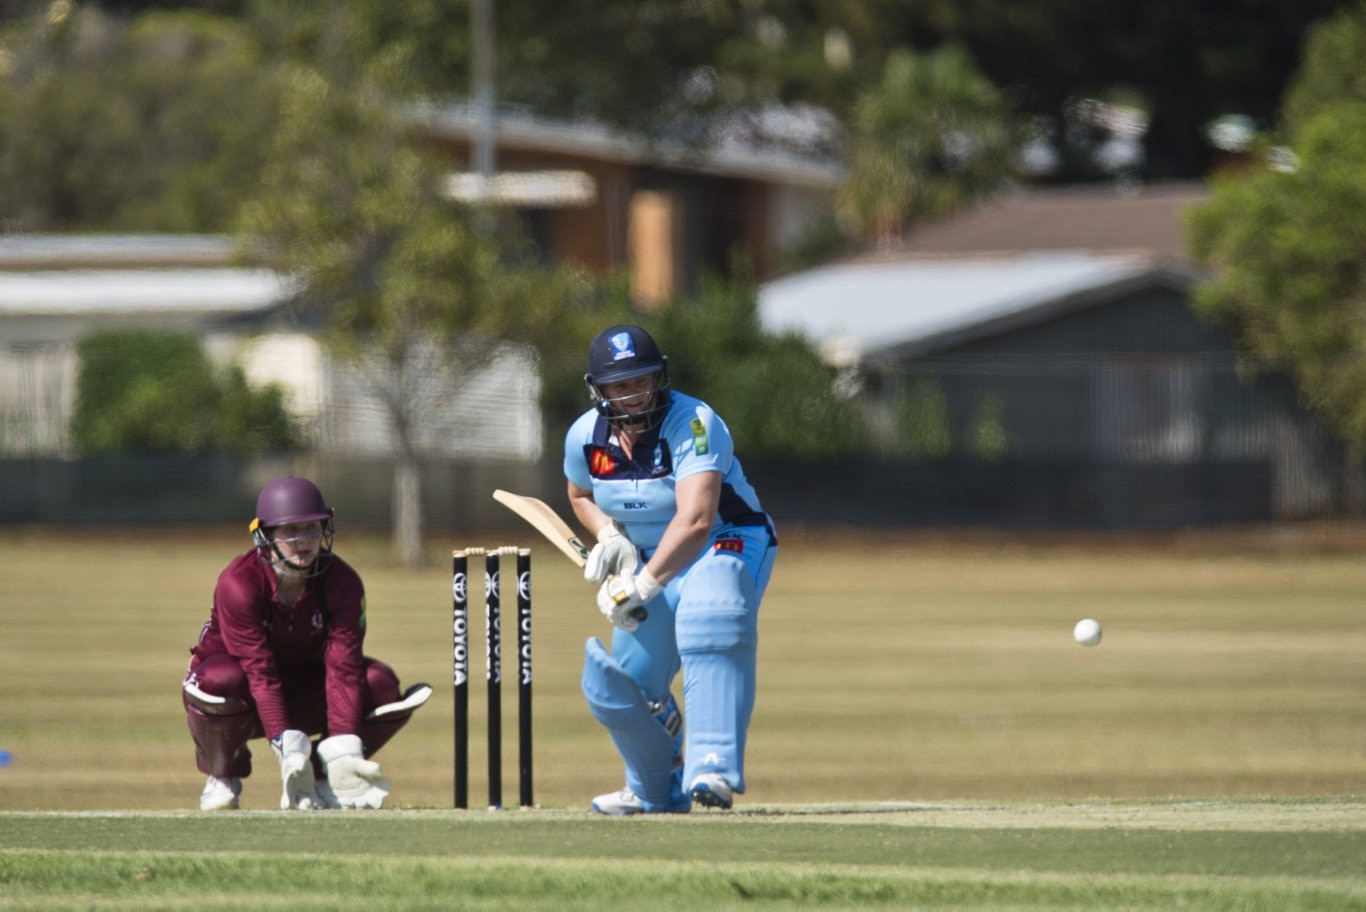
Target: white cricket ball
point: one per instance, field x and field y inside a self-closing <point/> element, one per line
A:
<point x="1087" y="632"/>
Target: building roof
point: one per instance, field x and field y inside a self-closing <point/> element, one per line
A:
<point x="1150" y="219"/>
<point x="853" y="310"/>
<point x="60" y="251"/>
<point x="782" y="147"/>
<point x="149" y="276"/>
<point x="1003" y="264"/>
<point x="204" y="292"/>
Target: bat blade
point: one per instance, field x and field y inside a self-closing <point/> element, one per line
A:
<point x="558" y="532"/>
<point x="546" y="521"/>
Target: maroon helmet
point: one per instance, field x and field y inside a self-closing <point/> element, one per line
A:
<point x="287" y="501"/>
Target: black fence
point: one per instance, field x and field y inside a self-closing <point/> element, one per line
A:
<point x="456" y="495"/>
<point x="1019" y="494"/>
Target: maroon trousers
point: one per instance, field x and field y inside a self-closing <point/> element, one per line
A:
<point x="221" y="730"/>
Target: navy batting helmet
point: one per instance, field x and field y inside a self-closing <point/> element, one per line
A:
<point x="625" y="352"/>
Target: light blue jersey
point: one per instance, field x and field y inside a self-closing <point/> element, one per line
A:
<point x="640" y="494"/>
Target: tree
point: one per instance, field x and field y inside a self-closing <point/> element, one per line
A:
<point x="934" y="136"/>
<point x="777" y="397"/>
<point x="405" y="286"/>
<point x="152" y="125"/>
<point x="668" y="68"/>
<point x="1332" y="71"/>
<point x="924" y="422"/>
<point x="1184" y="63"/>
<point x="1284" y="243"/>
<point x="157" y="392"/>
<point x="1285" y="249"/>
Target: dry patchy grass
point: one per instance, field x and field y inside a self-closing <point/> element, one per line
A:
<point x="906" y="667"/>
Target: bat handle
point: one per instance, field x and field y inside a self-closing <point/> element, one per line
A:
<point x="639" y="613"/>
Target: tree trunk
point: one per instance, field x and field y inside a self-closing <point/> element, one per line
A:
<point x="407" y="511"/>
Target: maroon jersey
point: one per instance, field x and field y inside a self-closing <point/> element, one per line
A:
<point x="318" y="637"/>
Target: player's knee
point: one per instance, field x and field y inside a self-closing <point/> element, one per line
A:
<point x="218" y="687"/>
<point x="611" y="693"/>
<point x="717" y="608"/>
<point x="382" y="683"/>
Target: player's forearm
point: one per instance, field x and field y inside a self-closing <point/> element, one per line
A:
<point x="344" y="677"/>
<point x="679" y="547"/>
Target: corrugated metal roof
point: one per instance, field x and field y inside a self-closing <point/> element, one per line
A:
<point x="983" y="267"/>
<point x="49" y="251"/>
<point x="851" y="310"/>
<point x="87" y="292"/>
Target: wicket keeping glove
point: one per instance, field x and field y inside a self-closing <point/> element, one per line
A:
<point x="622" y="598"/>
<point x="355" y="781"/>
<point x="300" y="789"/>
<point x="614" y="553"/>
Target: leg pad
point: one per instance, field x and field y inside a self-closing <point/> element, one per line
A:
<point x="639" y="733"/>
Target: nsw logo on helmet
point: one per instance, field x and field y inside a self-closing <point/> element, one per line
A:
<point x="623" y="346"/>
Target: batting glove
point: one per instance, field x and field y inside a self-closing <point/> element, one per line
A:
<point x="300" y="790"/>
<point x="355" y="781"/>
<point x="614" y="553"/>
<point x="622" y="598"/>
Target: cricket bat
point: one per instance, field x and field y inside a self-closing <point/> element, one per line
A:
<point x="547" y="522"/>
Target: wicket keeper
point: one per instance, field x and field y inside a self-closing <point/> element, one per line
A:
<point x="281" y="658"/>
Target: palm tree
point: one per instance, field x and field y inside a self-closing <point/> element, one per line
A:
<point x="932" y="137"/>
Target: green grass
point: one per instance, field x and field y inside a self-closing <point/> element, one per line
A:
<point x="927" y="736"/>
<point x="1282" y="855"/>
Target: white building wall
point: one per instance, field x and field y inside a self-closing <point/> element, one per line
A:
<point x="37" y="398"/>
<point x="492" y="413"/>
<point x="294" y="362"/>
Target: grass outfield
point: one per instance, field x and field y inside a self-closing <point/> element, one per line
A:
<point x="1236" y="855"/>
<point x="1205" y="755"/>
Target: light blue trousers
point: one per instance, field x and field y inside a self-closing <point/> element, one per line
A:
<point x="705" y="623"/>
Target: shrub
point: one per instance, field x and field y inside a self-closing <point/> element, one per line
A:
<point x="157" y="392"/>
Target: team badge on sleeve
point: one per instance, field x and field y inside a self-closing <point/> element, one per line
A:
<point x="699" y="437"/>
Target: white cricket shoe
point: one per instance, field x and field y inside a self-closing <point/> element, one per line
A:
<point x="626" y="802"/>
<point x="220" y="794"/>
<point x="710" y="790"/>
<point x="619" y="804"/>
